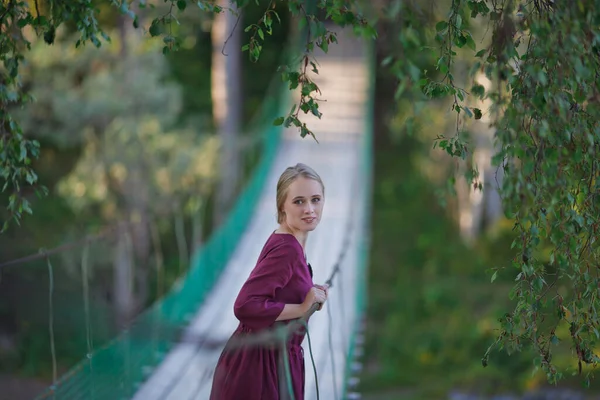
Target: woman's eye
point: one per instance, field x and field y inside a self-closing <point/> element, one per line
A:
<point x="316" y="200"/>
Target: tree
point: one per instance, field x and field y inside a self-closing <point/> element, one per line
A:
<point x="134" y="165"/>
<point x="542" y="58"/>
<point x="227" y="102"/>
<point x="21" y="20"/>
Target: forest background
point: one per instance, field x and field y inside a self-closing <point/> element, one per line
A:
<point x="128" y="115"/>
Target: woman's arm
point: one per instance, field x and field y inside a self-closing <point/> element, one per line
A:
<point x="292" y="311"/>
<point x="255" y="305"/>
<point x="317" y="294"/>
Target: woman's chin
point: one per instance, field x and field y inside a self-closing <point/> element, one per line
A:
<point x="310" y="227"/>
<point x="307" y="227"/>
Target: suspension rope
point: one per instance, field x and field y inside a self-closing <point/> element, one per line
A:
<point x="51" y="317"/>
<point x="331" y="353"/>
<point x="110" y="230"/>
<point x="129" y="249"/>
<point x="158" y="258"/>
<point x="283" y="337"/>
<point x="86" y="306"/>
<point x="341" y="298"/>
<point x="182" y="246"/>
<point x="312" y="359"/>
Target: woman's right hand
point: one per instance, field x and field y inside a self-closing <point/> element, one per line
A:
<point x="315" y="295"/>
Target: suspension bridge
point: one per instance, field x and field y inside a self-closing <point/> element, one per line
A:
<point x="147" y="363"/>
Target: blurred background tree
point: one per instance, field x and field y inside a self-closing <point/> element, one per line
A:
<point x="515" y="121"/>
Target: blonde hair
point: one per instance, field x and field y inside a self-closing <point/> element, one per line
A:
<point x="285" y="180"/>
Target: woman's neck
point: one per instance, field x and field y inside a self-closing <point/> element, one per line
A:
<point x="299" y="235"/>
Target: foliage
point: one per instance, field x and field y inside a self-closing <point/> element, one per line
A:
<point x="174" y="174"/>
<point x="543" y="60"/>
<point x="542" y="57"/>
<point x="100" y="84"/>
<point x="24" y="19"/>
<point x="125" y="137"/>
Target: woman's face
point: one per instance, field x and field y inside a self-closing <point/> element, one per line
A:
<point x="303" y="205"/>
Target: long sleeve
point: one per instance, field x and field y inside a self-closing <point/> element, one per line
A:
<point x="255" y="305"/>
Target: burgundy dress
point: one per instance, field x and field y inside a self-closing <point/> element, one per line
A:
<point x="281" y="276"/>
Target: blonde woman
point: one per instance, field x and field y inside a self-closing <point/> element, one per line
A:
<point x="279" y="290"/>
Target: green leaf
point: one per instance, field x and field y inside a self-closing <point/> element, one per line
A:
<point x="386" y="61"/>
<point x="278" y="121"/>
<point x="477" y="113"/>
<point x="276" y="15"/>
<point x="181" y="5"/>
<point x="324" y="46"/>
<point x="154" y="29"/>
<point x="468" y="112"/>
<point x="470" y="42"/>
<point x="26" y="207"/>
<point x="460" y="41"/>
<point x="31" y="177"/>
<point x="315" y="110"/>
<point x="23" y="153"/>
<point x="494" y="276"/>
<point x="314" y="67"/>
<point x="440" y="26"/>
<point x="49" y="35"/>
<point x="40" y="21"/>
<point x="478" y="90"/>
<point x="23" y="22"/>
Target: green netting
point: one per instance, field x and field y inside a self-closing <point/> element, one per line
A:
<point x="116" y="370"/>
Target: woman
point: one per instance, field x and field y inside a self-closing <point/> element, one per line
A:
<point x="279" y="290"/>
